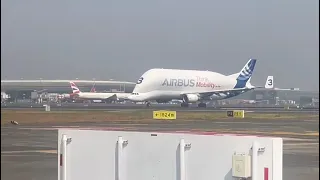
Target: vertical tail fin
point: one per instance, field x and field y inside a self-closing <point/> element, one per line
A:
<point x="245" y="74"/>
<point x="93" y="89"/>
<point x="75" y="89"/>
<point x="269" y="83"/>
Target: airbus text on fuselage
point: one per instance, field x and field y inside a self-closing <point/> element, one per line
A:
<point x="197" y="82"/>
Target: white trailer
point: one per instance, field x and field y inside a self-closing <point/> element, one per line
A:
<point x="123" y="155"/>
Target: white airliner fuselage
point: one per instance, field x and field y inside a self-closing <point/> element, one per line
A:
<point x="94" y="95"/>
<point x="122" y="96"/>
<point x="159" y="84"/>
<point x="191" y="85"/>
<point x="97" y="96"/>
<point x="102" y="96"/>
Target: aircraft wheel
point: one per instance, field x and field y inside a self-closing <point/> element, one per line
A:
<point x="148" y="104"/>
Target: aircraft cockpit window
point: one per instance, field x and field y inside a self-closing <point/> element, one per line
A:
<point x="135" y="93"/>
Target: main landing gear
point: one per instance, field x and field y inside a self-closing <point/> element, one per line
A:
<point x="148" y="104"/>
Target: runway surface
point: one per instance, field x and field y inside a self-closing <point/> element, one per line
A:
<point x="29" y="152"/>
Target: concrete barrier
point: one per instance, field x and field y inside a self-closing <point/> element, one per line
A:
<point x="121" y="155"/>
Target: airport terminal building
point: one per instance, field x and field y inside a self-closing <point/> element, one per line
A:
<point x="281" y="96"/>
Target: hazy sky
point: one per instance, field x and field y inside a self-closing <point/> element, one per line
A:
<point x="103" y="39"/>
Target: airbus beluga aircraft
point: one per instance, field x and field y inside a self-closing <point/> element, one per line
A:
<point x="191" y="86"/>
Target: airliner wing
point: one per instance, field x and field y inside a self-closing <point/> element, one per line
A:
<point x="112" y="97"/>
<point x="224" y="91"/>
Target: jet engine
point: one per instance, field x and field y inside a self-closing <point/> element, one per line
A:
<point x="190" y="98"/>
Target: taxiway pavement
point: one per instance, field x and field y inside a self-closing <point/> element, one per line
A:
<point x="29" y="152"/>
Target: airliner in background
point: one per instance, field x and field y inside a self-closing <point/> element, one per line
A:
<point x="67" y="97"/>
<point x="269" y="83"/>
<point x="191" y="86"/>
<point x="92" y="95"/>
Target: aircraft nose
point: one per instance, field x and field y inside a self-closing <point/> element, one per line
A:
<point x="132" y="98"/>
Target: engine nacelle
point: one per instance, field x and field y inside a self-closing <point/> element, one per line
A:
<point x="190" y="98"/>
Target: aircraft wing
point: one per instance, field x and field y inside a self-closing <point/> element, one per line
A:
<point x="112" y="97"/>
<point x="223" y="91"/>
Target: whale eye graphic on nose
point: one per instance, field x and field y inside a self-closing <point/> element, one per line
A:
<point x="140" y="80"/>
